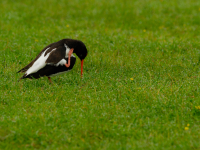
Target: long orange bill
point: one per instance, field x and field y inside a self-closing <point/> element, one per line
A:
<point x="82" y="68"/>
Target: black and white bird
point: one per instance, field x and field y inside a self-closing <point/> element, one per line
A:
<point x="55" y="59"/>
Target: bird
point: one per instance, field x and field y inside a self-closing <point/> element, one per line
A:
<point x="55" y="59"/>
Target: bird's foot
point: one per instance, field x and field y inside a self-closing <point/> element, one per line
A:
<point x="69" y="56"/>
<point x="70" y="52"/>
<point x="67" y="65"/>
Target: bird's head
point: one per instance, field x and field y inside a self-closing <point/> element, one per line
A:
<point x="79" y="49"/>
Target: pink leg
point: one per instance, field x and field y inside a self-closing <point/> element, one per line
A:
<point x="69" y="56"/>
<point x="49" y="79"/>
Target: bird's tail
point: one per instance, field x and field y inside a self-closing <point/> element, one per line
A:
<point x="22" y="70"/>
<point x="24" y="76"/>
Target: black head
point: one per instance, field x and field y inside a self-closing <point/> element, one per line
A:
<point x="79" y="47"/>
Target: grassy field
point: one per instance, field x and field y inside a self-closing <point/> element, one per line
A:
<point x="141" y="81"/>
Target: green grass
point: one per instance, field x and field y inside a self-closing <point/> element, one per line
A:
<point x="155" y="42"/>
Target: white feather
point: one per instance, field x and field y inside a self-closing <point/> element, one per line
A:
<point x="38" y="64"/>
<point x="53" y="49"/>
<point x="67" y="50"/>
<point x="61" y="62"/>
<point x="47" y="48"/>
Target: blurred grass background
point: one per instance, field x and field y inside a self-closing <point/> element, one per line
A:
<point x="141" y="77"/>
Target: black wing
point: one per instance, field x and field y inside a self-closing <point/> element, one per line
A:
<point x="56" y="55"/>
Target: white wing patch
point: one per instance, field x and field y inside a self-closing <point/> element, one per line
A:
<point x="61" y="62"/>
<point x="38" y="64"/>
<point x="47" y="48"/>
<point x="53" y="49"/>
<point x="67" y="50"/>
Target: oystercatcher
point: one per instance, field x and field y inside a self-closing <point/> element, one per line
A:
<point x="55" y="59"/>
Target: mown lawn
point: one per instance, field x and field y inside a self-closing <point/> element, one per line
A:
<point x="141" y="81"/>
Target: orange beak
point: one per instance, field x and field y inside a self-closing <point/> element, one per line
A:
<point x="82" y="68"/>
